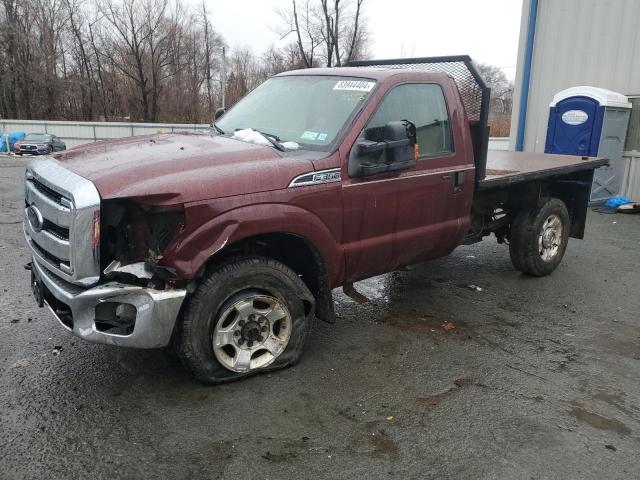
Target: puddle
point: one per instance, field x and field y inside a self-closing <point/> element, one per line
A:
<point x="415" y="324"/>
<point x="509" y="306"/>
<point x="621" y="343"/>
<point x="432" y="401"/>
<point x="616" y="400"/>
<point x="505" y="322"/>
<point x="286" y="451"/>
<point x="598" y="421"/>
<point x="373" y="440"/>
<point x="382" y="444"/>
<point x="423" y="323"/>
<point x="278" y="457"/>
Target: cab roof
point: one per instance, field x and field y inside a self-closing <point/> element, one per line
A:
<point x="375" y="73"/>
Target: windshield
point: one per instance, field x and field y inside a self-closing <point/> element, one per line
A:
<point x="310" y="110"/>
<point x="37" y="137"/>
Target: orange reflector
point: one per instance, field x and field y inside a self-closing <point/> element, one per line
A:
<point x="95" y="229"/>
<point x="416" y="151"/>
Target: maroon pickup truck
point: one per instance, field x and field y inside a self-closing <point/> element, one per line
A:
<point x="228" y="244"/>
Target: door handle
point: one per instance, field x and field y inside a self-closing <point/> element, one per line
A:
<point x="458" y="182"/>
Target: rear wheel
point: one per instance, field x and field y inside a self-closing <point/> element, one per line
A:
<point x="539" y="238"/>
<point x="250" y="315"/>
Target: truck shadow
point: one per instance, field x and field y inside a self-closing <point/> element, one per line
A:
<point x="435" y="299"/>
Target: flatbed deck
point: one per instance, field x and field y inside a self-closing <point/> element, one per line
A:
<point x="507" y="167"/>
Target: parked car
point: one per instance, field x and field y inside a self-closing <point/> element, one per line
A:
<point x="230" y="250"/>
<point x="38" y="144"/>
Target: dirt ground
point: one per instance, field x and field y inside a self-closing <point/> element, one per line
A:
<point x="524" y="379"/>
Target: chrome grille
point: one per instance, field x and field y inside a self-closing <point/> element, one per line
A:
<point x="48" y="192"/>
<point x="56" y="230"/>
<point x="59" y="210"/>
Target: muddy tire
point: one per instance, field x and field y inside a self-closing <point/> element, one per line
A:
<point x="250" y="315"/>
<point x="539" y="238"/>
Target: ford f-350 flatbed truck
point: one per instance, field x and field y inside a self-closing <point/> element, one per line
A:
<point x="229" y="249"/>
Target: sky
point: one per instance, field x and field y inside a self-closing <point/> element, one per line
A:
<point x="487" y="30"/>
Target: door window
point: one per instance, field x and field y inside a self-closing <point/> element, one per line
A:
<point x="424" y="105"/>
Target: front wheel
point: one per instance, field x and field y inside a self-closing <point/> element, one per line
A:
<point x="250" y="315"/>
<point x="539" y="238"/>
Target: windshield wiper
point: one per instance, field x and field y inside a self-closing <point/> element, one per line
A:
<point x="273" y="140"/>
<point x="218" y="129"/>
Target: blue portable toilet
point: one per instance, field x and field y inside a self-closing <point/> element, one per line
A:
<point x="13" y="138"/>
<point x="591" y="121"/>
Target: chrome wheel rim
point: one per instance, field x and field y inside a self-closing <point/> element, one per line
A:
<point x="251" y="333"/>
<point x="550" y="237"/>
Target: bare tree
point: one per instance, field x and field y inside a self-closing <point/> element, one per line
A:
<point x="501" y="101"/>
<point x="49" y="20"/>
<point x="12" y="35"/>
<point x="336" y="27"/>
<point x="151" y="60"/>
<point x="74" y="9"/>
<point x="501" y="88"/>
<point x="125" y="45"/>
<point x="148" y="34"/>
<point x="213" y="45"/>
<point x="245" y="75"/>
<point x="100" y="82"/>
<point x="304" y="24"/>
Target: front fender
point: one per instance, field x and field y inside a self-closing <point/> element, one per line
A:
<point x="212" y="232"/>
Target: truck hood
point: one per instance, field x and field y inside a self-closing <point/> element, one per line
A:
<point x="181" y="167"/>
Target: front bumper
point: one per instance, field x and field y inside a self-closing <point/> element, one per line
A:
<point x="76" y="309"/>
<point x="32" y="152"/>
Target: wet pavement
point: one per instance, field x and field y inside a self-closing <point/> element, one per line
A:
<point x="460" y="368"/>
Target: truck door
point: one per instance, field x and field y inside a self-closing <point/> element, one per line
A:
<point x="393" y="219"/>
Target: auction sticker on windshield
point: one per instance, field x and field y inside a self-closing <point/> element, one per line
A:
<point x="307" y="135"/>
<point x="357" y="85"/>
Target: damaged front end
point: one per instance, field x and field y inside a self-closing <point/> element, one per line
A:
<point x="133" y="238"/>
<point x="102" y="275"/>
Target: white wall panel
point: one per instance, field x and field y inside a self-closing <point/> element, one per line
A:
<point x="79" y="133"/>
<point x="577" y="42"/>
<point x="631" y="177"/>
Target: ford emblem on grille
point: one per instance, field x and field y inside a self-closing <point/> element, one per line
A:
<point x="35" y="218"/>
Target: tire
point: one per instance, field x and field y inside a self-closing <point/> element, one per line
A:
<point x="539" y="238"/>
<point x="248" y="304"/>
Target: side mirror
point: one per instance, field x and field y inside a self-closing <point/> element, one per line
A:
<point x="219" y="113"/>
<point x="398" y="140"/>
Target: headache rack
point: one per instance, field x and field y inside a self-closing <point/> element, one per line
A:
<point x="473" y="90"/>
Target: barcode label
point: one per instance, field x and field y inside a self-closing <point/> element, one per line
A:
<point x="357" y="85"/>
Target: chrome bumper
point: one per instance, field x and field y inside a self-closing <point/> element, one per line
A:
<point x="156" y="310"/>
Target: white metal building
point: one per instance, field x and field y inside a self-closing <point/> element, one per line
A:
<point x="573" y="42"/>
<point x="567" y="43"/>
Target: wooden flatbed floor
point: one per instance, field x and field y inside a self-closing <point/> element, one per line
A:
<point x="507" y="167"/>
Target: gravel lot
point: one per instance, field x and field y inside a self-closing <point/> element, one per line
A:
<point x="527" y="378"/>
